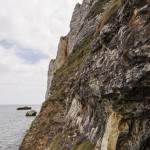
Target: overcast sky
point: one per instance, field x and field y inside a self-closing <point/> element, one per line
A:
<point x="29" y="35"/>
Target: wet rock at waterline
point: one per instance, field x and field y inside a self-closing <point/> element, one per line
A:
<point x="31" y="113"/>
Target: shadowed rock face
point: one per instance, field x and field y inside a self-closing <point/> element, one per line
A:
<point x="99" y="97"/>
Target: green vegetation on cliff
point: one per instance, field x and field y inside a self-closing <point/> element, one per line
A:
<point x="85" y="145"/>
<point x="71" y="66"/>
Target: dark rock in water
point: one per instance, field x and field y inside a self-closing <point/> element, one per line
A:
<point x="24" y="108"/>
<point x="31" y="113"/>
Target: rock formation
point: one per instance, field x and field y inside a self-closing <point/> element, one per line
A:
<point x="51" y="70"/>
<point x="31" y="113"/>
<point x="98" y="95"/>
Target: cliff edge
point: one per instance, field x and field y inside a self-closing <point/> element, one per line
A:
<point x="98" y="93"/>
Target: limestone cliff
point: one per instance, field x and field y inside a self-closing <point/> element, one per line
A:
<point x="98" y="95"/>
<point x="58" y="62"/>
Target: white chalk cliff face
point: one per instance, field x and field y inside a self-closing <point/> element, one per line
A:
<point x="98" y="94"/>
<point x="51" y="70"/>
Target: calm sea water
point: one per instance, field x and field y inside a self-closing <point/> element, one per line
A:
<point x="13" y="126"/>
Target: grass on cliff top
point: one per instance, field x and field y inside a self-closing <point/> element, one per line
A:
<point x="73" y="64"/>
<point x="76" y="57"/>
<point x="56" y="142"/>
<point x="61" y="140"/>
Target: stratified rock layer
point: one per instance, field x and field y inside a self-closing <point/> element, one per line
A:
<point x="98" y="95"/>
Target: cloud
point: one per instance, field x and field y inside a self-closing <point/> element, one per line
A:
<point x="21" y="82"/>
<point x="35" y="23"/>
<point x="29" y="55"/>
<point x="29" y="35"/>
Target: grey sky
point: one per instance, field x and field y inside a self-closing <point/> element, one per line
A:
<point x="29" y="35"/>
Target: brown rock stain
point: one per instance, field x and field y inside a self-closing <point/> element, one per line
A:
<point x="115" y="126"/>
<point x="62" y="52"/>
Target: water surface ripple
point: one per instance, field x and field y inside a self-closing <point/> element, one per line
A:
<point x="13" y="126"/>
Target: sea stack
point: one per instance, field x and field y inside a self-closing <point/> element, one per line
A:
<point x="98" y="95"/>
<point x="31" y="113"/>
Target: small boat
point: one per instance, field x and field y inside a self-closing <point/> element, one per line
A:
<point x="24" y="108"/>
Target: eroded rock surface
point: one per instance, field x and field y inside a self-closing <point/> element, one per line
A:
<point x="99" y="97"/>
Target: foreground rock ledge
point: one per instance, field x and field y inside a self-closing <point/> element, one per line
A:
<point x="98" y="95"/>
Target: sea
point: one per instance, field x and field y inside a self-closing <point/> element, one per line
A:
<point x="13" y="126"/>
